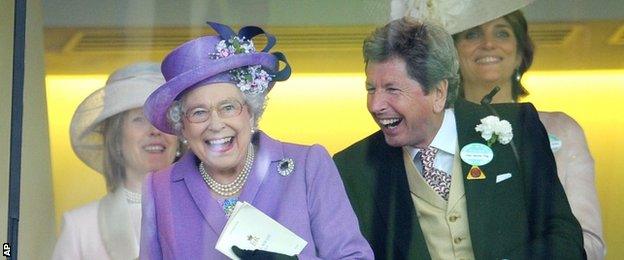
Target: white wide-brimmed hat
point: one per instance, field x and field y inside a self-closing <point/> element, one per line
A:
<point x="125" y="89"/>
<point x="455" y="15"/>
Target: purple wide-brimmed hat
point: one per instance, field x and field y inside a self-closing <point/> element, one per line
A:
<point x="226" y="57"/>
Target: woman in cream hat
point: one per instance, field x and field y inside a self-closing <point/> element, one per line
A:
<point x="214" y="96"/>
<point x="495" y="49"/>
<point x="110" y="134"/>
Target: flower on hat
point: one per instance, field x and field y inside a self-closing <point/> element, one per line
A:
<point x="493" y="129"/>
<point x="250" y="79"/>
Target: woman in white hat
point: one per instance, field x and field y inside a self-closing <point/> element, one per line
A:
<point x="110" y="134"/>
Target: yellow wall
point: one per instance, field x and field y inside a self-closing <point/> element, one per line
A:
<point x="74" y="182"/>
<point x="330" y="109"/>
<point x="319" y="108"/>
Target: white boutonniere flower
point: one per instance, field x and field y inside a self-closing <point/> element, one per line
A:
<point x="493" y="129"/>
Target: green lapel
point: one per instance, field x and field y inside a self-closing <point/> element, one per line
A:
<point x="394" y="202"/>
<point x="375" y="180"/>
<point x="409" y="241"/>
<point x="482" y="196"/>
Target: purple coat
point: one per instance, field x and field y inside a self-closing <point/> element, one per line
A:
<point x="181" y="220"/>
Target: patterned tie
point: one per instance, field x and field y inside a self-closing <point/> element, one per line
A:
<point x="438" y="180"/>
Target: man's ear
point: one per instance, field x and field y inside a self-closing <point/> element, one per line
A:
<point x="440" y="92"/>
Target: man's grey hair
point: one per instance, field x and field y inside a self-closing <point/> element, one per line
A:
<point x="427" y="49"/>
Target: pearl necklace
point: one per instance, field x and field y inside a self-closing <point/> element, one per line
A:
<point x="227" y="190"/>
<point x="131" y="196"/>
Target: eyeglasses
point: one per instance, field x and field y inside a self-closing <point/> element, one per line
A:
<point x="225" y="109"/>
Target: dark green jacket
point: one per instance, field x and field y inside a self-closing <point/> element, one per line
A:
<point x="524" y="217"/>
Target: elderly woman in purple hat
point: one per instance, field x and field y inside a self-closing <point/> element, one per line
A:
<point x="214" y="96"/>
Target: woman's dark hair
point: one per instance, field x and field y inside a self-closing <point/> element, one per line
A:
<point x="525" y="47"/>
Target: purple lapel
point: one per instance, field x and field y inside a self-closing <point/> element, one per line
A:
<point x="269" y="150"/>
<point x="209" y="207"/>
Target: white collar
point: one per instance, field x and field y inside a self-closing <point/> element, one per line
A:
<point x="446" y="137"/>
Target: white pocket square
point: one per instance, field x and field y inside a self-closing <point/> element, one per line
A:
<point x="502" y="177"/>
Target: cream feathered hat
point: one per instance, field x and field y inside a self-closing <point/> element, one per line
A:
<point x="125" y="89"/>
<point x="455" y="15"/>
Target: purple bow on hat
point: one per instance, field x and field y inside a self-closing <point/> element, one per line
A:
<point x="195" y="63"/>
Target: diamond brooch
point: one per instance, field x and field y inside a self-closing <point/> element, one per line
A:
<point x="286" y="166"/>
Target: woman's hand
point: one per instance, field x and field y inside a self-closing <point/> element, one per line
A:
<point x="259" y="254"/>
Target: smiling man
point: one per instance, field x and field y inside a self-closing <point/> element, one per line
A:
<point x="428" y="184"/>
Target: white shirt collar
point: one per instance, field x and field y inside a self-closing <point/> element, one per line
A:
<point x="446" y="137"/>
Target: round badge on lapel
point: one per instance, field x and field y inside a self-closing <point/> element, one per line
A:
<point x="476" y="154"/>
<point x="286" y="166"/>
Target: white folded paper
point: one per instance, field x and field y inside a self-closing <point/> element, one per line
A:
<point x="249" y="228"/>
